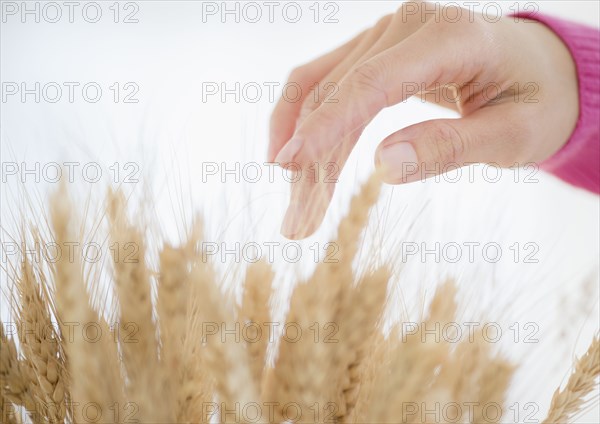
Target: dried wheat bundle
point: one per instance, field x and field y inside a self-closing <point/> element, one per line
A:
<point x="173" y="348"/>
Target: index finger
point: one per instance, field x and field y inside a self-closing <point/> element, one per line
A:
<point x="285" y="113"/>
<point x="331" y="131"/>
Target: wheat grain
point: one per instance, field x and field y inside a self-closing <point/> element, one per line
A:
<point x="13" y="381"/>
<point x="7" y="411"/>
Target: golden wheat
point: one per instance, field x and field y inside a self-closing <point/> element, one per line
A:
<point x="173" y="347"/>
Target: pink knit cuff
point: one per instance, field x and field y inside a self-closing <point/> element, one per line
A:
<point x="578" y="161"/>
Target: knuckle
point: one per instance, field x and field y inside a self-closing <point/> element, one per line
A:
<point x="299" y="74"/>
<point x="408" y="15"/>
<point x="366" y="76"/>
<point x="447" y="144"/>
<point x="384" y="22"/>
<point x="375" y="32"/>
<point x="313" y="98"/>
<point x="308" y="106"/>
<point x="457" y="20"/>
<point x="519" y="142"/>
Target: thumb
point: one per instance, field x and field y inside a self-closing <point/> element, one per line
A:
<point x="434" y="147"/>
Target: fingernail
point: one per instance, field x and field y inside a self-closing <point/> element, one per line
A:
<point x="291" y="226"/>
<point x="291" y="148"/>
<point x="399" y="160"/>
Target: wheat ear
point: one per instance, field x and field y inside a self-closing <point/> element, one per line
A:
<point x="254" y="312"/>
<point x="414" y="363"/>
<point x="138" y="338"/>
<point x="90" y="381"/>
<point x="224" y="356"/>
<point x="567" y="402"/>
<point x="173" y="296"/>
<point x="195" y="400"/>
<point x="40" y="346"/>
<point x="357" y="323"/>
<point x="47" y="297"/>
<point x="377" y="360"/>
<point x="195" y="395"/>
<point x="305" y="372"/>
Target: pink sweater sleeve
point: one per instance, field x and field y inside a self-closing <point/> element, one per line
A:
<point x="578" y="162"/>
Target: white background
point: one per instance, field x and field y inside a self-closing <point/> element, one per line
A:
<point x="170" y="132"/>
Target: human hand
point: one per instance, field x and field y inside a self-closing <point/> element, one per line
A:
<point x="514" y="83"/>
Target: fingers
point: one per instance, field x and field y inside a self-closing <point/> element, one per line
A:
<point x="327" y="88"/>
<point x="375" y="84"/>
<point x="285" y="114"/>
<point x="309" y="200"/>
<point x="400" y="58"/>
<point x="311" y="193"/>
<point x="389" y="31"/>
<point x="433" y="147"/>
<point x="328" y="135"/>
